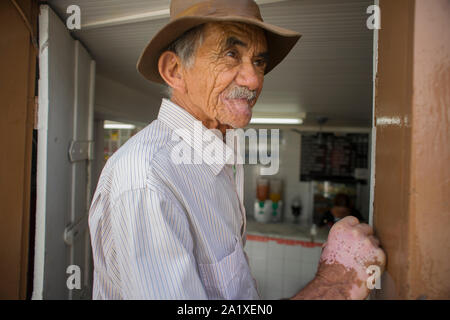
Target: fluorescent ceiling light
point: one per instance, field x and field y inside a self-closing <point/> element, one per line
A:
<point x="118" y="125"/>
<point x="276" y="121"/>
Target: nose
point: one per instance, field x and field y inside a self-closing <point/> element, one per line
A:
<point x="249" y="77"/>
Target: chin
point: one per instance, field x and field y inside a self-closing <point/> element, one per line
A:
<point x="244" y="124"/>
<point x="240" y="123"/>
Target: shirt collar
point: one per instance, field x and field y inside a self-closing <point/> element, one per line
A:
<point x="194" y="133"/>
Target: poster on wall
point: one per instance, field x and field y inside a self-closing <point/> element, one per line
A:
<point x="333" y="157"/>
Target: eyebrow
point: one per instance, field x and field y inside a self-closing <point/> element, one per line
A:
<point x="233" y="41"/>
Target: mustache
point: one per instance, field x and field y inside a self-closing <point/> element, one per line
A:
<point x="241" y="93"/>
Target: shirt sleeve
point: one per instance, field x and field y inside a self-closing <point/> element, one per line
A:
<point x="154" y="247"/>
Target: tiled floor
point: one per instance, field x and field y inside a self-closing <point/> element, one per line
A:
<point x="281" y="270"/>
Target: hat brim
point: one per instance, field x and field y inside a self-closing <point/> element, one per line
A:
<point x="280" y="41"/>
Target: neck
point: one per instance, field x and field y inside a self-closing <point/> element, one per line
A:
<point x="200" y="115"/>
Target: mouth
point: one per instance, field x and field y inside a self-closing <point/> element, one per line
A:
<point x="240" y="107"/>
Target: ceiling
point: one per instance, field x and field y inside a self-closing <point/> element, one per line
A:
<point x="328" y="73"/>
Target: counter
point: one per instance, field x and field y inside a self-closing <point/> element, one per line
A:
<point x="286" y="233"/>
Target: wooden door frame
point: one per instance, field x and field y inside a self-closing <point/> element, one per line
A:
<point x="17" y="93"/>
<point x="411" y="212"/>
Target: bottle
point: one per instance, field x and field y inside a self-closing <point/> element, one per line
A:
<point x="275" y="190"/>
<point x="262" y="189"/>
<point x="313" y="232"/>
<point x="296" y="208"/>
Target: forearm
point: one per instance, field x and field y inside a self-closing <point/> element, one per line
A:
<point x="332" y="282"/>
<point x="321" y="290"/>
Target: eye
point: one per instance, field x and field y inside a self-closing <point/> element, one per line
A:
<point x="260" y="63"/>
<point x="232" y="54"/>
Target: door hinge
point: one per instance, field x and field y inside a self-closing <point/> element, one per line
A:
<point x="75" y="230"/>
<point x="81" y="150"/>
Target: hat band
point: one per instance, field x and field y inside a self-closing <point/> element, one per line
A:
<point x="222" y="9"/>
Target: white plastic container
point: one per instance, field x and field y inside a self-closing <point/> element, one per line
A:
<point x="276" y="210"/>
<point x="263" y="211"/>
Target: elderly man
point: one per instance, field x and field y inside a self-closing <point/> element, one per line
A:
<point x="166" y="230"/>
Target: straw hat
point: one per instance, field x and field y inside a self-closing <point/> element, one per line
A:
<point x="187" y="14"/>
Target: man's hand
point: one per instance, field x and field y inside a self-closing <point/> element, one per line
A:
<point x="342" y="274"/>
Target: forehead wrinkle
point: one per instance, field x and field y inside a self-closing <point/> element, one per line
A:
<point x="233" y="34"/>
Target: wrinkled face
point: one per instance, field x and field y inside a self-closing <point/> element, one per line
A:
<point x="227" y="76"/>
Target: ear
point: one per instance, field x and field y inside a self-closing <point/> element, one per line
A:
<point x="169" y="66"/>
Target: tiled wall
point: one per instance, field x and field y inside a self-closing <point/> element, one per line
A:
<point x="281" y="270"/>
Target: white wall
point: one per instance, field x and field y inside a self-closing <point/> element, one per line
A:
<point x="115" y="101"/>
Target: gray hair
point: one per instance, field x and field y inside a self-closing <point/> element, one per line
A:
<point x="184" y="47"/>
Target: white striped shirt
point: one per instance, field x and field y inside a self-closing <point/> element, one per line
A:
<point x="161" y="230"/>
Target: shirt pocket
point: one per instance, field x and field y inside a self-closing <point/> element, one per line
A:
<point x="230" y="278"/>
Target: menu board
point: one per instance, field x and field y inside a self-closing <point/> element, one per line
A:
<point x="333" y="157"/>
